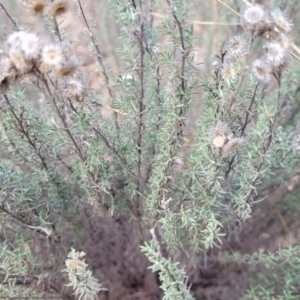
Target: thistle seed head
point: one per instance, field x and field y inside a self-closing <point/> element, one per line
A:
<point x="37" y="7"/>
<point x="51" y="58"/>
<point x="262" y="70"/>
<point x="276" y="54"/>
<point x="255" y="17"/>
<point x="232" y="145"/>
<point x="280" y="21"/>
<point x="236" y="47"/>
<point x="74" y="90"/>
<point x="57" y="8"/>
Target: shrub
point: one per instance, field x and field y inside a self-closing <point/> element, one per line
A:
<point x="122" y="170"/>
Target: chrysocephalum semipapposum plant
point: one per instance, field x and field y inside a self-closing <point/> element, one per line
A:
<point x="109" y="171"/>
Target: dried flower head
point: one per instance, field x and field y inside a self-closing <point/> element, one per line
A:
<point x="52" y="58"/>
<point x="232" y="145"/>
<point x="262" y="70"/>
<point x="70" y="62"/>
<point x="26" y="42"/>
<point x="31" y="46"/>
<point x="37" y="7"/>
<point x="68" y="68"/>
<point x="280" y="21"/>
<point x="255" y="17"/>
<point x="296" y="143"/>
<point x="57" y="7"/>
<point x="75" y="264"/>
<point x="220" y="134"/>
<point x="15" y="40"/>
<point x="284" y="41"/>
<point x="276" y="54"/>
<point x="18" y="59"/>
<point x="236" y="47"/>
<point x="8" y="72"/>
<point x="228" y="72"/>
<point x="74" y="90"/>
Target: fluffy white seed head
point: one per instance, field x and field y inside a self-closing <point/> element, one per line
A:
<point x="280" y="21"/>
<point x="262" y="70"/>
<point x="236" y="47"/>
<point x="31" y="46"/>
<point x="51" y="58"/>
<point x="15" y="40"/>
<point x="255" y="17"/>
<point x="276" y="54"/>
<point x="26" y="42"/>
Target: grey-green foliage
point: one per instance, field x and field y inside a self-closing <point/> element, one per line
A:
<point x="275" y="274"/>
<point x="15" y="272"/>
<point x="174" y="279"/>
<point x="86" y="287"/>
<point x="65" y="158"/>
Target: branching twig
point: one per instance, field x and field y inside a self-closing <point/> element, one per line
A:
<point x="9" y="16"/>
<point x="99" y="58"/>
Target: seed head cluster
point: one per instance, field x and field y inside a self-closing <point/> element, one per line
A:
<point x="255" y="18"/>
<point x="222" y="138"/>
<point x="51" y="8"/>
<point x="25" y="54"/>
<point x="273" y="28"/>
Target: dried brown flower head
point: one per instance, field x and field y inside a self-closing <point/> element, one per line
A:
<point x="232" y="145"/>
<point x="57" y="8"/>
<point x="296" y="143"/>
<point x="37" y="7"/>
<point x="74" y="90"/>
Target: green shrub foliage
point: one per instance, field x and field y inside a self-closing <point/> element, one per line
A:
<point x="156" y="164"/>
